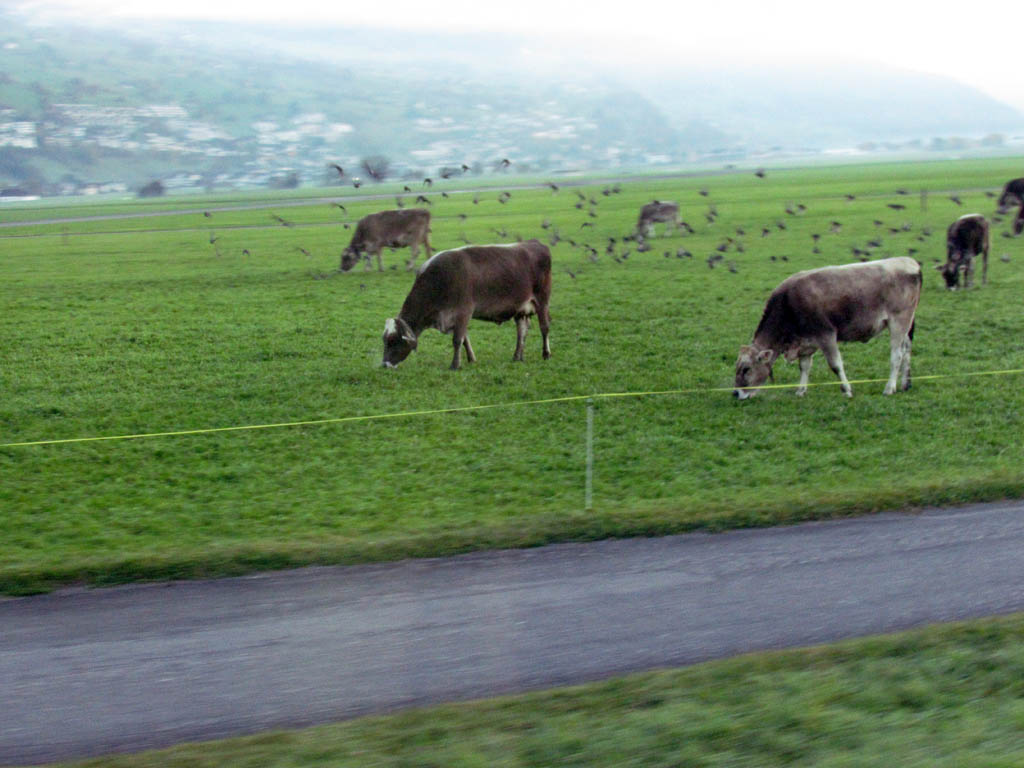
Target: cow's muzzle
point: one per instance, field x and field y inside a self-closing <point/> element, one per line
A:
<point x="742" y="394"/>
<point x="386" y="364"/>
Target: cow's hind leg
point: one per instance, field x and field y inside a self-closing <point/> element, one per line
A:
<point x="470" y="357"/>
<point x="805" y="373"/>
<point x="830" y="348"/>
<point x="905" y="367"/>
<point x="522" y="325"/>
<point x="900" y="332"/>
<point x="544" y="319"/>
<point x="380" y="263"/>
<point x="906" y="342"/>
<point x="459" y="338"/>
<point x="414" y="252"/>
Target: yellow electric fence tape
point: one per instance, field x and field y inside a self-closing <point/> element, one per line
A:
<point x="465" y="408"/>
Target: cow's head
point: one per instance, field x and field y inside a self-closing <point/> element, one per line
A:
<point x="1006" y="200"/>
<point x="952" y="270"/>
<point x="399" y="341"/>
<point x="349" y="258"/>
<point x="753" y="368"/>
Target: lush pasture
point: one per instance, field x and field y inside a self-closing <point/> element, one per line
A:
<point x="143" y="325"/>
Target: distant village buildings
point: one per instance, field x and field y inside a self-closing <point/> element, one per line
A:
<point x="203" y="155"/>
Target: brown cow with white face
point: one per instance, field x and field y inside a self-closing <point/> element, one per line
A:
<point x="818" y="308"/>
<point x="484" y="282"/>
<point x="663" y="211"/>
<point x="966" y="237"/>
<point x="388" y="229"/>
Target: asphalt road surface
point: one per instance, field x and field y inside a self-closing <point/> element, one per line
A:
<point x="87" y="672"/>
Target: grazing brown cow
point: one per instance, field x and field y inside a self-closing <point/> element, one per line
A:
<point x="966" y="238"/>
<point x="1013" y="194"/>
<point x="486" y="282"/>
<point x="388" y="229"/>
<point x="818" y="308"/>
<point x="658" y="211"/>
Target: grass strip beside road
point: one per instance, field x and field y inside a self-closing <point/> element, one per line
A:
<point x="943" y="696"/>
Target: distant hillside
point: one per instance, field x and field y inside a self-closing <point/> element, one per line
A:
<point x="202" y="105"/>
<point x="834" y="105"/>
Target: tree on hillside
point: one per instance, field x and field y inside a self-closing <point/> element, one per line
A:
<point x="153" y="189"/>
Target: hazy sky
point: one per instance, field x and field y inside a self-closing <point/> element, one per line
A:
<point x="976" y="43"/>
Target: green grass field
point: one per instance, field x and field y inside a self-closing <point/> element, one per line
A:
<point x="938" y="697"/>
<point x="125" y="326"/>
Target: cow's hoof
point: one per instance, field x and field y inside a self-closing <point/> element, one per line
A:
<point x="800" y="392"/>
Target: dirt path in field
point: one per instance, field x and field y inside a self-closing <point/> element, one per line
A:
<point x="87" y="672"/>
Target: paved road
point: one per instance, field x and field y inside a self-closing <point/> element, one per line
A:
<point x="86" y="672"/>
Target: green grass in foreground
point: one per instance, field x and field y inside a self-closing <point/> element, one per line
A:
<point x="108" y="332"/>
<point x="940" y="697"/>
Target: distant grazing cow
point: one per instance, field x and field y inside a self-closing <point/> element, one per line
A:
<point x="486" y="282"/>
<point x="818" y="308"/>
<point x="658" y="211"/>
<point x="1013" y="194"/>
<point x="388" y="229"/>
<point x="966" y="238"/>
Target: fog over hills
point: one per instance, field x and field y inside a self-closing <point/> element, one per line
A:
<point x="216" y="104"/>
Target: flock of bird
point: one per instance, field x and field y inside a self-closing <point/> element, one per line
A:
<point x="619" y="248"/>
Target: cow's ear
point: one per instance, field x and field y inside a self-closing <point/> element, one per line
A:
<point x="765" y="356"/>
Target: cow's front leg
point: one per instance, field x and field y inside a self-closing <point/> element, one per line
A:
<point x="522" y="325"/>
<point x="835" y="361"/>
<point x="805" y="373"/>
<point x="380" y="263"/>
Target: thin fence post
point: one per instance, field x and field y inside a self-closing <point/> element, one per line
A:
<point x="588" y="489"/>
